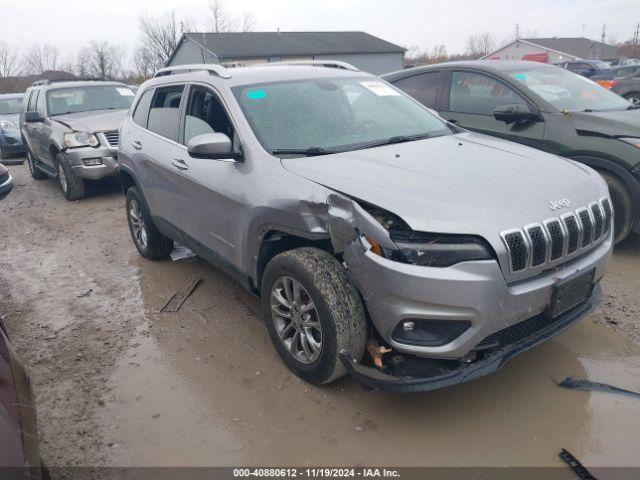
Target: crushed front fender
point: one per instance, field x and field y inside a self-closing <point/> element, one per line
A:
<point x="411" y="380"/>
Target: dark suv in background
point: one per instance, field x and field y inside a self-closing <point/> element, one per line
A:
<point x="544" y="107"/>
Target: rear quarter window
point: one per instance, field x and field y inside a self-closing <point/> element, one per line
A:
<point x="423" y="87"/>
<point x="141" y="112"/>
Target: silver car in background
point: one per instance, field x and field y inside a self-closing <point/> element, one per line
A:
<point x="384" y="242"/>
<point x="71" y="131"/>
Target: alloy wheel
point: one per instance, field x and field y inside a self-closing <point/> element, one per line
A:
<point x="137" y="224"/>
<point x="62" y="178"/>
<point x="296" y="320"/>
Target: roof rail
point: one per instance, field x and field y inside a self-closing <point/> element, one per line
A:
<point x="314" y="63"/>
<point x="211" y="68"/>
<point x="62" y="80"/>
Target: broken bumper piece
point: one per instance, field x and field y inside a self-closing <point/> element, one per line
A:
<point x="406" y="374"/>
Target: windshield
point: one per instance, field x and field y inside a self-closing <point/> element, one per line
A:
<point x="600" y="64"/>
<point x="10" y="106"/>
<point x="568" y="91"/>
<point x="329" y="115"/>
<point x="85" y="99"/>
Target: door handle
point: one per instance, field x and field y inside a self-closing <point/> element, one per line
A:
<point x="137" y="145"/>
<point x="180" y="164"/>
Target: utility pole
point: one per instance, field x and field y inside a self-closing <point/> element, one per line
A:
<point x="517" y="31"/>
<point x="635" y="40"/>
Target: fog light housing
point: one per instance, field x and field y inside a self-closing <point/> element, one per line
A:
<point x="429" y="333"/>
<point x="92" y="162"/>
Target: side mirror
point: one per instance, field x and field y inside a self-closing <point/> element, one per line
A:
<point x="33" y="117"/>
<point x="213" y="145"/>
<point x="515" y="113"/>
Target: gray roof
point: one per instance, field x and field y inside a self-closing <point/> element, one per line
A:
<point x="578" y="47"/>
<point x="276" y="44"/>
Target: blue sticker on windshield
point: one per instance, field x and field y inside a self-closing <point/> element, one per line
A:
<point x="256" y="94"/>
<point x="522" y="77"/>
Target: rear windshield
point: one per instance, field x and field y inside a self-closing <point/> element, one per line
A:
<point x="568" y="91"/>
<point x="10" y="106"/>
<point x="333" y="114"/>
<point x="86" y="99"/>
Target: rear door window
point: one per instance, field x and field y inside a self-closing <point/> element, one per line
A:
<point x="164" y="114"/>
<point x="422" y="87"/>
<point x="141" y="113"/>
<point x="479" y="94"/>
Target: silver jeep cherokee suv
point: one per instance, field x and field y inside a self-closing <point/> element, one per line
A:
<point x="384" y="242"/>
<point x="71" y="131"/>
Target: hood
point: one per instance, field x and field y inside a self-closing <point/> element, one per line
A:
<point x="466" y="183"/>
<point x="96" y="121"/>
<point x="619" y="123"/>
<point x="12" y="117"/>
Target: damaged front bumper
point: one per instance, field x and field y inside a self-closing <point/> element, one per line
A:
<point x="93" y="163"/>
<point x="414" y="374"/>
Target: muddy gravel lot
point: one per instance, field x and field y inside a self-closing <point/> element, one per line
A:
<point x="118" y="383"/>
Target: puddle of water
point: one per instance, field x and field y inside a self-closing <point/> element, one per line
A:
<point x="225" y="398"/>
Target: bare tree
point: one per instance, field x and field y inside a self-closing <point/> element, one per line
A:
<point x="101" y="59"/>
<point x="248" y="22"/>
<point x="41" y="58"/>
<point x="143" y="62"/>
<point x="8" y="60"/>
<point x="160" y="37"/>
<point x="480" y="44"/>
<point x="219" y="20"/>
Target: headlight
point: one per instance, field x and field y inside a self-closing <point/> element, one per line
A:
<point x="633" y="141"/>
<point x="432" y="250"/>
<point x="426" y="249"/>
<point x="80" y="139"/>
<point x="7" y="125"/>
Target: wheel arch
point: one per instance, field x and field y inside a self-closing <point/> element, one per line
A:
<point x="630" y="182"/>
<point x="275" y="241"/>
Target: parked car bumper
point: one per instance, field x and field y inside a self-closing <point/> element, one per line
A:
<point x="93" y="163"/>
<point x="413" y="379"/>
<point x="471" y="295"/>
<point x="11" y="141"/>
<point x="6" y="185"/>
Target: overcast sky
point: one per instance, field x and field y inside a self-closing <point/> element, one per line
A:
<point x="71" y="23"/>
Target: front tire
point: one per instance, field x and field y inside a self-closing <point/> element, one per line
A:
<point x="72" y="186"/>
<point x="313" y="312"/>
<point x="151" y="244"/>
<point x="622" y="206"/>
<point x="633" y="96"/>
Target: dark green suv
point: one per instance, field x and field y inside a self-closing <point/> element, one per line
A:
<point x="544" y="107"/>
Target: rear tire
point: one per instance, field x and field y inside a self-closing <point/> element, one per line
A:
<point x="151" y="244"/>
<point x="622" y="205"/>
<point x="70" y="184"/>
<point x="338" y="313"/>
<point x="36" y="173"/>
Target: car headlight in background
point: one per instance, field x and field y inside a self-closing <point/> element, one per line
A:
<point x="633" y="141"/>
<point x="426" y="249"/>
<point x="80" y="139"/>
<point x="7" y="125"/>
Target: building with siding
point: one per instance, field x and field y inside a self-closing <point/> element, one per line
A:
<point x="554" y="50"/>
<point x="364" y="51"/>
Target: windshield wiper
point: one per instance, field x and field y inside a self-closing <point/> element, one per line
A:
<point x="307" y="152"/>
<point x="396" y="139"/>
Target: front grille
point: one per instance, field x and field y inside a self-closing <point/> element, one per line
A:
<point x="112" y="138"/>
<point x="608" y="214"/>
<point x="538" y="241"/>
<point x="587" y="226"/>
<point x="573" y="232"/>
<point x="598" y="220"/>
<point x="517" y="246"/>
<point x="556" y="239"/>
